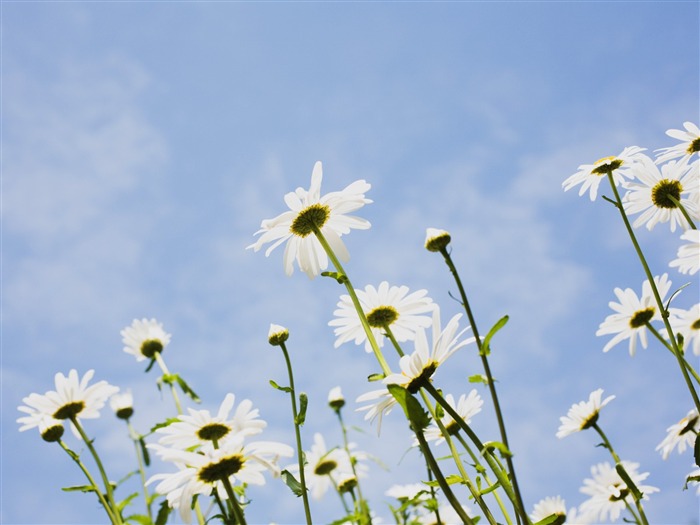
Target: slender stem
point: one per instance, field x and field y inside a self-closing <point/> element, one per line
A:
<point x="142" y="471"/>
<point x="393" y="340"/>
<point x="222" y="508"/>
<point x="97" y="490"/>
<point x="297" y="433"/>
<point x="355" y="301"/>
<point x="164" y="369"/>
<point x="670" y="349"/>
<point x="489" y="377"/>
<point x="364" y="511"/>
<point x="100" y="467"/>
<point x="233" y="500"/>
<point x="680" y="206"/>
<point x="655" y="291"/>
<point x="630" y="509"/>
<point x="438" y="521"/>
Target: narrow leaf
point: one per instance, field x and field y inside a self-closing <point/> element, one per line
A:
<point x="123" y="503"/>
<point x="552" y="519"/>
<point x="489" y="445"/>
<point x="628" y="481"/>
<point x="187" y="390"/>
<point x="139" y="518"/>
<point x="79" y="488"/>
<point x="282" y="388"/>
<point x="415" y="413"/>
<point x="165" y="423"/>
<point x="303" y="403"/>
<point x="292" y="483"/>
<point x="144" y="452"/>
<point x="340" y="277"/>
<point x="479" y="378"/>
<point x="375" y="377"/>
<point x="163" y="512"/>
<point x="485" y="345"/>
<point x="696" y="450"/>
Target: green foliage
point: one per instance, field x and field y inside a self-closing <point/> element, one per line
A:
<point x="292" y="483"/>
<point x="490" y="445"/>
<point x="486" y="344"/>
<point x="79" y="488"/>
<point x="303" y="404"/>
<point x="415" y="413"/>
<point x="628" y="481"/>
<point x="278" y="387"/>
<point x="163" y="513"/>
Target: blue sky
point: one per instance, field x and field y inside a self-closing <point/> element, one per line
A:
<point x="143" y="143"/>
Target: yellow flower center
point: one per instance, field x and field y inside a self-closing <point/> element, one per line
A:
<point x="606" y="165"/>
<point x="222" y="469"/>
<point x="382" y="316"/>
<point x="663" y="191"/>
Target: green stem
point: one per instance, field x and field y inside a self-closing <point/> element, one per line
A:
<point x="135" y="438"/>
<point x="355" y="301"/>
<point x="490" y="382"/>
<point x="222" y="508"/>
<point x="363" y="508"/>
<point x="100" y="467"/>
<point x="164" y="369"/>
<point x="233" y="500"/>
<point x="655" y="291"/>
<point x="297" y="433"/>
<point x="393" y="340"/>
<point x="97" y="490"/>
<point x="680" y="206"/>
<point x="670" y="349"/>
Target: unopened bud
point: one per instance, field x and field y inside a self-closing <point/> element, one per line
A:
<point x="277" y="335"/>
<point x="436" y="240"/>
<point x="335" y="399"/>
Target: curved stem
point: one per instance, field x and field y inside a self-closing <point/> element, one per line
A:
<point x="393" y="340"/>
<point x="680" y="206"/>
<point x="670" y="349"/>
<point x="362" y="504"/>
<point x="655" y="291"/>
<point x="164" y="369"/>
<point x="297" y="433"/>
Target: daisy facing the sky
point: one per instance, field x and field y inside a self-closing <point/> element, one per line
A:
<point x="385" y="307"/>
<point x="309" y="210"/>
<point x="467" y="406"/>
<point x="689" y="145"/>
<point x="589" y="176"/>
<point x="680" y="435"/>
<point x="144" y="339"/>
<point x="632" y="314"/>
<point x="583" y="415"/>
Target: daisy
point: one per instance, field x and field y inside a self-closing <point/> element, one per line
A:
<point x="686" y="323"/>
<point x="379" y="403"/>
<point x="309" y="210"/>
<point x="200" y="427"/>
<point x="633" y="313"/>
<point x="122" y="404"/>
<point x="419" y="367"/>
<point x="204" y="470"/>
<point x="385" y="306"/>
<point x="73" y="399"/>
<point x="680" y="435"/>
<point x="335" y="398"/>
<point x="583" y="415"/>
<point x="688" y="260"/>
<point x="144" y="339"/>
<point x="690" y="143"/>
<point x="277" y="335"/>
<point x="436" y="240"/>
<point x="590" y="175"/>
<point x="651" y="192"/>
<point x="321" y="464"/>
<point x="467" y="407"/>
<point x="50" y="429"/>
<point x="548" y="506"/>
<point x="609" y="494"/>
<point x="695" y="473"/>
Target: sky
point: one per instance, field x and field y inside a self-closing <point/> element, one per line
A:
<point x="144" y="142"/>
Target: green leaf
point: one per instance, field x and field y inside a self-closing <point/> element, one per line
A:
<point x="187" y="390"/>
<point x="150" y="365"/>
<point x="479" y="378"/>
<point x="491" y="488"/>
<point x="144" y="452"/>
<point x="292" y="483"/>
<point x="696" y="450"/>
<point x="486" y="344"/>
<point x="164" y="424"/>
<point x="79" y="488"/>
<point x="282" y="388"/>
<point x="163" y="512"/>
<point x="454" y="478"/>
<point x="130" y="474"/>
<point x="628" y="481"/>
<point x="303" y="403"/>
<point x="552" y="519"/>
<point x="415" y="413"/>
<point x="375" y="377"/>
<point x="123" y="503"/>
<point x="139" y="518"/>
<point x="490" y="445"/>
<point x="340" y="277"/>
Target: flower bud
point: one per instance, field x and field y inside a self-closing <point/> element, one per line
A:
<point x="122" y="404"/>
<point x="436" y="240"/>
<point x="335" y="399"/>
<point x="277" y="335"/>
<point x="51" y="429"/>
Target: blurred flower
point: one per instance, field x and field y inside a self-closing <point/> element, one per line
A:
<point x="406" y="492"/>
<point x="688" y="260"/>
<point x="144" y="339"/>
<point x="73" y="398"/>
<point x="633" y="313"/>
<point x="583" y="415"/>
<point x="380" y="402"/>
<point x="467" y="407"/>
<point x="548" y="506"/>
<point x="200" y="427"/>
<point x="123" y="404"/>
<point x="436" y="240"/>
<point x="696" y="474"/>
<point x="448" y="515"/>
<point x="680" y="435"/>
<point x="690" y="143"/>
<point x="609" y="494"/>
<point x="202" y="471"/>
<point x="321" y="463"/>
<point x="309" y="210"/>
<point x="384" y="306"/>
<point x="277" y="335"/>
<point x="687" y="324"/>
<point x="590" y="175"/>
<point x="652" y="190"/>
<point x="50" y="429"/>
<point x="336" y="399"/>
<point x="419" y="367"/>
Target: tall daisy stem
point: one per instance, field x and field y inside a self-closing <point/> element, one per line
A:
<point x="659" y="303"/>
<point x="360" y="503"/>
<point x="489" y="377"/>
<point x="135" y="438"/>
<point x="670" y="349"/>
<point x="355" y="301"/>
<point x="233" y="500"/>
<point x="100" y="495"/>
<point x="164" y="369"/>
<point x="297" y="433"/>
<point x="680" y="206"/>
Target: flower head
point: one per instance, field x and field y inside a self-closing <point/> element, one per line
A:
<point x="144" y="339"/>
<point x="690" y="143"/>
<point x="590" y="175"/>
<point x="655" y="194"/>
<point x="583" y="415"/>
<point x="322" y="466"/>
<point x="680" y="435"/>
<point x="277" y="335"/>
<point x="686" y="323"/>
<point x="123" y="404"/>
<point x="548" y="506"/>
<point x="310" y="211"/>
<point x="467" y="407"/>
<point x="384" y="307"/>
<point x="436" y="240"/>
<point x="335" y="398"/>
<point x="688" y="260"/>
<point x="199" y="427"/>
<point x="609" y="494"/>
<point x="633" y="314"/>
<point x="379" y="403"/>
<point x="73" y="399"/>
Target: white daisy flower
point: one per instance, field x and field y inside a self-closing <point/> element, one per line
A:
<point x="590" y="175"/>
<point x="548" y="506"/>
<point x="321" y="465"/>
<point x="419" y="367"/>
<point x="201" y="471"/>
<point x="467" y="407"/>
<point x="632" y="314"/>
<point x="688" y="260"/>
<point x="122" y="404"/>
<point x="50" y="429"/>
<point x="384" y="306"/>
<point x="335" y="398"/>
<point x="680" y="435"/>
<point x="651" y="192"/>
<point x="609" y="495"/>
<point x="144" y="338"/>
<point x="200" y="427"/>
<point x="690" y="143"/>
<point x="309" y="210"/>
<point x="72" y="399"/>
<point x="379" y="403"/>
<point x="583" y="415"/>
<point x="687" y="324"/>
